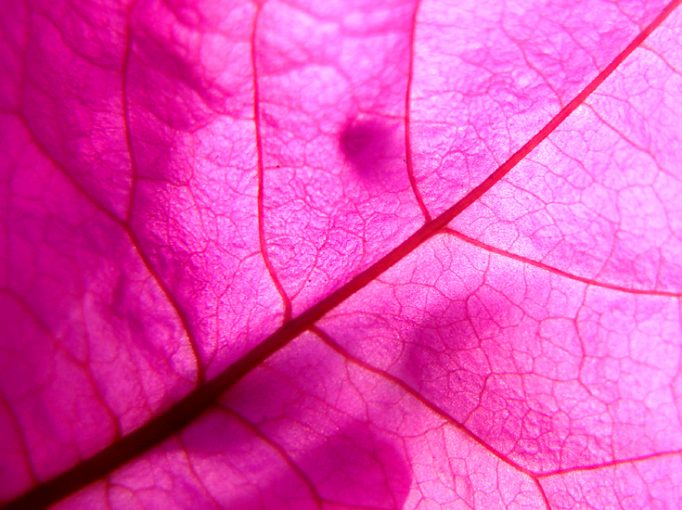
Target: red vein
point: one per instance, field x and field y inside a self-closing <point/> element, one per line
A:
<point x="614" y="463"/>
<point x="551" y="269"/>
<point x="187" y="409"/>
<point x="261" y="177"/>
<point x="408" y="105"/>
<point x="125" y="223"/>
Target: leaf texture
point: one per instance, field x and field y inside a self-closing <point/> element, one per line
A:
<point x="340" y="255"/>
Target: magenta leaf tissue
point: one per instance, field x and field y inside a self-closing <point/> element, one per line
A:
<point x="341" y="254"/>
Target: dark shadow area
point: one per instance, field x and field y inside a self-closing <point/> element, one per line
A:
<point x="444" y="362"/>
<point x="354" y="468"/>
<point x="369" y="145"/>
<point x="359" y="468"/>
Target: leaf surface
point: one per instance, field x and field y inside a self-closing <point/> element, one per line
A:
<point x="340" y="254"/>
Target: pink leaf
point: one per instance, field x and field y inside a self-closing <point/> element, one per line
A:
<point x="341" y="254"/>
